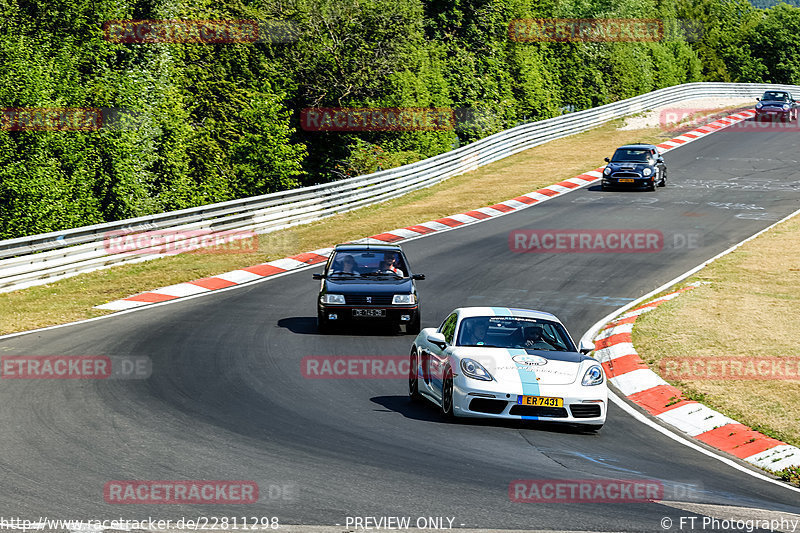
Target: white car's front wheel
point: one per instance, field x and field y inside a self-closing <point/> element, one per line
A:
<point x="413" y="378"/>
<point x="447" y="395"/>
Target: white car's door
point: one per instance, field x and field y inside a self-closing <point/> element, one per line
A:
<point x="435" y="357"/>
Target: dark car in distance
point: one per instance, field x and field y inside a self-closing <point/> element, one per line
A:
<point x="636" y="166"/>
<point x="368" y="283"/>
<point x="776" y="104"/>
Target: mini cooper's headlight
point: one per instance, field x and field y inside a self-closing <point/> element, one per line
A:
<point x="786" y="107"/>
<point x="593" y="376"/>
<point x="607" y="171"/>
<point x="404" y="299"/>
<point x="647" y="171"/>
<point x="475" y="370"/>
<point x="759" y="105"/>
<point x="332" y="298"/>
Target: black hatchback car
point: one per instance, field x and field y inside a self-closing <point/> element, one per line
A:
<point x="637" y="166"/>
<point x="365" y="283"/>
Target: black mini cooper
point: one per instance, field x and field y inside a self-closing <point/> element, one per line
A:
<point x="636" y="166"/>
<point x="368" y="283"/>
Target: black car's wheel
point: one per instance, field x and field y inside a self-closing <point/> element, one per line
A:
<point x="653" y="184"/>
<point x="663" y="182"/>
<point x="447" y="395"/>
<point x="413" y="327"/>
<point x="413" y="379"/>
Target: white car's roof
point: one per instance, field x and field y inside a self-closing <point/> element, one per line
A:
<point x="505" y="311"/>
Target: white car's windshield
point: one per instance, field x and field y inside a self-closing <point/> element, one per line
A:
<point x="514" y="332"/>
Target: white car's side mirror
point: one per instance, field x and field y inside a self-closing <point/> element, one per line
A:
<point x="586" y="347"/>
<point x="437" y="339"/>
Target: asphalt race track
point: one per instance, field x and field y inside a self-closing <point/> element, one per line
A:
<point x="227" y="401"/>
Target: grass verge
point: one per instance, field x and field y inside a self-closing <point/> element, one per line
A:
<point x="749" y="310"/>
<point x="73" y="298"/>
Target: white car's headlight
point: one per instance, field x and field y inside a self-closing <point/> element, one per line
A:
<point x="332" y="298"/>
<point x="647" y="172"/>
<point x="404" y="299"/>
<point x="593" y="376"/>
<point x="475" y="370"/>
<point x="607" y="171"/>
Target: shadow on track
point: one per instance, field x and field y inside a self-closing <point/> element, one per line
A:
<point x="307" y="325"/>
<point x="428" y="412"/>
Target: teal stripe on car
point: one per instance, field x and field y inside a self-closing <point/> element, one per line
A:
<point x="528" y="389"/>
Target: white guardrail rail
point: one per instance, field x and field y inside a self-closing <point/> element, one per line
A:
<point x="39" y="259"/>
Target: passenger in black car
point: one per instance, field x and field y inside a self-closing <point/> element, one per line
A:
<point x="347" y="265"/>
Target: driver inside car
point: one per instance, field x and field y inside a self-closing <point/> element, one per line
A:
<point x="390" y="264"/>
<point x="534" y="339"/>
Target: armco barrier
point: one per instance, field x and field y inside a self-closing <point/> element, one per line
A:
<point x="38" y="259"/>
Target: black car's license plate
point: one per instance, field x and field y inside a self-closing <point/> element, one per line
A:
<point x="626" y="180"/>
<point x="370" y="313"/>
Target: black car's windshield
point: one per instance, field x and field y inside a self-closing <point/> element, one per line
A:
<point x="638" y="155"/>
<point x="514" y="332"/>
<point x="367" y="264"/>
<point x="775" y="96"/>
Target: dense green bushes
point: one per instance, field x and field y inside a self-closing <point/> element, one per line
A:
<point x="208" y="123"/>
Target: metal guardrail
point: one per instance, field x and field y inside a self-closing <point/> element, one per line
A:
<point x="39" y="259"/>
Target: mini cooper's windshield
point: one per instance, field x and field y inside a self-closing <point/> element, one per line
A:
<point x="774" y="96"/>
<point x="514" y="332"/>
<point x="638" y="155"/>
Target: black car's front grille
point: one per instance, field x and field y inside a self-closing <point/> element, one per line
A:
<point x="364" y="299"/>
<point x="533" y="410"/>
<point x="486" y="405"/>
<point x="626" y="175"/>
<point x="585" y="410"/>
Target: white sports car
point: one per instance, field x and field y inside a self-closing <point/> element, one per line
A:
<point x="508" y="363"/>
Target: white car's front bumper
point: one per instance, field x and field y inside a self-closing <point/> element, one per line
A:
<point x="581" y="405"/>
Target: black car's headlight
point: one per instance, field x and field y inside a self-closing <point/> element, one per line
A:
<point x="593" y="376"/>
<point x="475" y="370"/>
<point x="332" y="298"/>
<point x="759" y="105"/>
<point x="607" y="171"/>
<point x="786" y="107"/>
<point x="404" y="299"/>
<point x="647" y="171"/>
